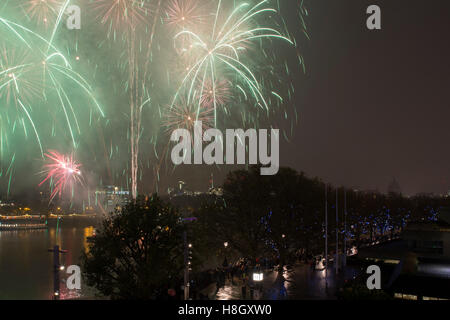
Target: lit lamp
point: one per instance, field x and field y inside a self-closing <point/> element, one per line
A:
<point x="225" y="244"/>
<point x="258" y="276"/>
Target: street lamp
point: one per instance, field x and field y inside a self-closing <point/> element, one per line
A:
<point x="258" y="276"/>
<point x="225" y="244"/>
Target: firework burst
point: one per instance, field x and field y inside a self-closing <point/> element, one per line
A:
<point x="222" y="53"/>
<point x="166" y="64"/>
<point x="215" y="93"/>
<point x="186" y="14"/>
<point x="19" y="75"/>
<point x="44" y="12"/>
<point x="62" y="172"/>
<point x="32" y="74"/>
<point x="184" y="115"/>
<point x="122" y="15"/>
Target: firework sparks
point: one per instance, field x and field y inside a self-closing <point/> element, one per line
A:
<point x="222" y="53"/>
<point x="31" y="77"/>
<point x="122" y="15"/>
<point x="44" y="12"/>
<point x="217" y="93"/>
<point x="186" y="14"/>
<point x="19" y="75"/>
<point x="184" y="115"/>
<point x="62" y="172"/>
<point x="173" y="62"/>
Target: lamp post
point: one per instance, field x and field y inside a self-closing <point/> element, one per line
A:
<point x="56" y="268"/>
<point x="186" y="266"/>
<point x="258" y="277"/>
<point x="345" y="228"/>
<point x="326" y="236"/>
<point x="337" y="232"/>
<point x="187" y="262"/>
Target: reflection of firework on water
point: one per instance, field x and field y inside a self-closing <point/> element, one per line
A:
<point x="122" y="15"/>
<point x="62" y="172"/>
<point x="223" y="52"/>
<point x="44" y="12"/>
<point x="185" y="14"/>
<point x="183" y="116"/>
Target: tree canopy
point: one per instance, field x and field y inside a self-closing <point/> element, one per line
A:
<point x="138" y="251"/>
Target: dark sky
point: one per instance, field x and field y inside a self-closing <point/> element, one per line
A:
<point x="376" y="104"/>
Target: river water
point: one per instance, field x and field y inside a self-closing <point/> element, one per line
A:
<point x="26" y="265"/>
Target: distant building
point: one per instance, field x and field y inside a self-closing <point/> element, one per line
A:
<point x="181" y="190"/>
<point x="394" y="187"/>
<point x="178" y="190"/>
<point x="216" y="192"/>
<point x="430" y="238"/>
<point x="7" y="204"/>
<point x="111" y="197"/>
<point x="417" y="267"/>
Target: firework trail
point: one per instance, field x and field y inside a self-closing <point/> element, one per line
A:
<point x="38" y="84"/>
<point x="168" y="62"/>
<point x="127" y="17"/>
<point x="222" y="52"/>
<point x="223" y="64"/>
<point x="62" y="172"/>
<point x="44" y="12"/>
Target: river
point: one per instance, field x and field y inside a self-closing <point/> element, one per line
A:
<point x="26" y="264"/>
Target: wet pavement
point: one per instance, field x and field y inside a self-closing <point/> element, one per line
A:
<point x="301" y="282"/>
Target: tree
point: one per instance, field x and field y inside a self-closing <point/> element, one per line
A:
<point x="138" y="252"/>
<point x="263" y="215"/>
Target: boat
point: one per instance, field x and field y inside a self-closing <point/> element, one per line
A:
<point x="24" y="226"/>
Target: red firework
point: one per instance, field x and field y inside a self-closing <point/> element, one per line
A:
<point x="62" y="170"/>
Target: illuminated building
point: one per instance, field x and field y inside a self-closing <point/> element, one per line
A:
<point x="112" y="197"/>
<point x="417" y="267"/>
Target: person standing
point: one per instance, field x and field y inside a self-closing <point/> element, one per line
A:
<point x="244" y="286"/>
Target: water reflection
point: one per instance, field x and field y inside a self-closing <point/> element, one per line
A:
<point x="26" y="265"/>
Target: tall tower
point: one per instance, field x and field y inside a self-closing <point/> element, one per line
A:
<point x="394" y="187"/>
<point x="211" y="181"/>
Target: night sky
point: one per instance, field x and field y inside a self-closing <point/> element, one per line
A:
<point x="376" y="103"/>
